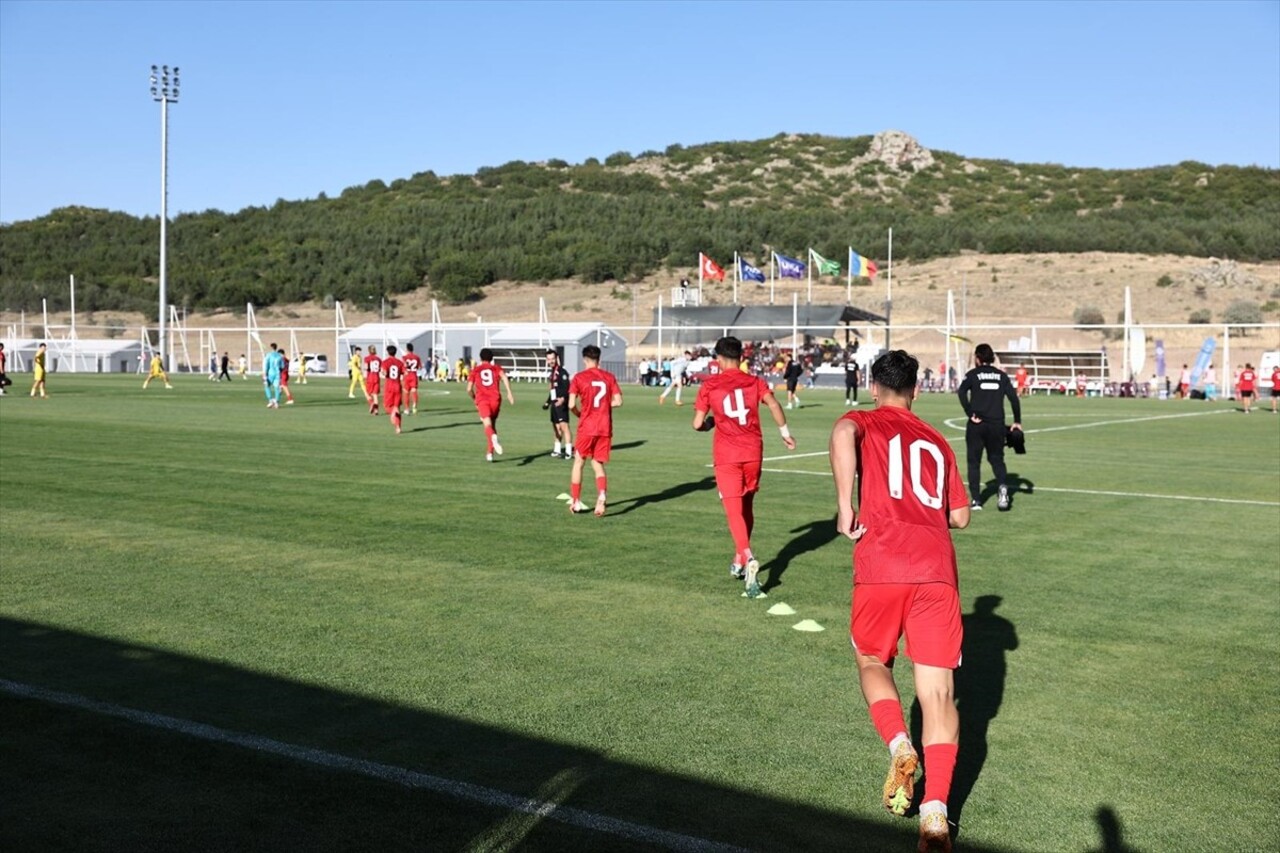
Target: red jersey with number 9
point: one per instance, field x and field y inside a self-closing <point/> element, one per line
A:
<point x="595" y="389"/>
<point x="908" y="484"/>
<point x="486" y="377"/>
<point x="734" y="399"/>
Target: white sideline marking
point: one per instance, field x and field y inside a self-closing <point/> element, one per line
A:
<point x="1158" y="497"/>
<point x="373" y="769"/>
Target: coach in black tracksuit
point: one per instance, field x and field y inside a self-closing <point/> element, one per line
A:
<point x="982" y="395"/>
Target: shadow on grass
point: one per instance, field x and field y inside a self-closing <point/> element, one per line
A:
<point x="1112" y="832"/>
<point x="429" y="427"/>
<point x="812" y="536"/>
<point x="80" y="778"/>
<point x="979" y="686"/>
<point x="669" y="494"/>
<point x="1018" y="485"/>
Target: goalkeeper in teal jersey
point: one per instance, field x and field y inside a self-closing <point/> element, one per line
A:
<point x="272" y="366"/>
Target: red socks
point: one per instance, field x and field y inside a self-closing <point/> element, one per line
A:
<point x="601" y="482"/>
<point x="939" y="765"/>
<point x="488" y="437"/>
<point x="887" y="717"/>
<point x="738" y="528"/>
<point x="575" y="491"/>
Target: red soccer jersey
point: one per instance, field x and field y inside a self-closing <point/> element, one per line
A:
<point x="372" y="364"/>
<point x="412" y="363"/>
<point x="393" y="370"/>
<point x="487" y="379"/>
<point x="595" y="389"/>
<point x="908" y="483"/>
<point x="1275" y="376"/>
<point x="1247" y="380"/>
<point x="734" y="398"/>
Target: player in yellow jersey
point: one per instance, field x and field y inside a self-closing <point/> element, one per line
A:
<point x="157" y="372"/>
<point x="355" y="369"/>
<point x="38" y="368"/>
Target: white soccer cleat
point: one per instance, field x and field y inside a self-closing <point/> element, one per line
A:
<point x="751" y="575"/>
<point x="497" y="448"/>
<point x="488" y="457"/>
<point x="577" y="506"/>
<point x="1002" y="501"/>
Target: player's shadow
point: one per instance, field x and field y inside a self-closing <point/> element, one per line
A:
<point x="1112" y="832"/>
<point x="630" y="445"/>
<point x="979" y="686"/>
<point x="1018" y="485"/>
<point x="811" y="537"/>
<point x="679" y="490"/>
<point x="450" y="425"/>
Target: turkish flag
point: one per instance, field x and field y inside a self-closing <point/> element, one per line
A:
<point x="710" y="269"/>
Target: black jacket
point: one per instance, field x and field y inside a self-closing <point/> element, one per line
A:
<point x="983" y="391"/>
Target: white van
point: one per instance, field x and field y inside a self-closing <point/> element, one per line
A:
<point x="1270" y="361"/>
<point x="316" y="362"/>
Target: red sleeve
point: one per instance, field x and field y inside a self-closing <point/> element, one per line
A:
<point x="702" y="403"/>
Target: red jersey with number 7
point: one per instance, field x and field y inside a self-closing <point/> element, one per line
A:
<point x="908" y="484"/>
<point x="734" y="399"/>
<point x="595" y="389"/>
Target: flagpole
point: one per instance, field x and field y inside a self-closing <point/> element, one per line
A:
<point x="735" y="278"/>
<point x="795" y="324"/>
<point x="888" y="299"/>
<point x="809" y="299"/>
<point x="772" y="255"/>
<point x="848" y="288"/>
<point x="700" y="262"/>
<point x="659" y="333"/>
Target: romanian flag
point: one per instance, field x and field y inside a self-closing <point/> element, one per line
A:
<point x="860" y="266"/>
<point x="709" y="268"/>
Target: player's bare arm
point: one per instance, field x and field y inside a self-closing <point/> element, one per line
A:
<point x="779" y="418"/>
<point x="959" y="517"/>
<point x="844" y="471"/>
<point x="573" y="405"/>
<point x="506" y="383"/>
<point x="616" y="401"/>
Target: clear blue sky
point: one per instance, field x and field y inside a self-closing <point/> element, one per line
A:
<point x="291" y="99"/>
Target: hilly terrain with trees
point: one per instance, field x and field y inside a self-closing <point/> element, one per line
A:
<point x="632" y="215"/>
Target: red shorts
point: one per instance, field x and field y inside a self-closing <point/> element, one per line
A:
<point x="410" y="381"/>
<point x="595" y="447"/>
<point x="489" y="409"/>
<point x="371" y="385"/>
<point x="391" y="396"/>
<point x="735" y="479"/>
<point x="284" y="380"/>
<point x="927" y="613"/>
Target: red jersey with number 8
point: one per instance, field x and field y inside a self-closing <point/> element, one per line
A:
<point x="734" y="399"/>
<point x="908" y="483"/>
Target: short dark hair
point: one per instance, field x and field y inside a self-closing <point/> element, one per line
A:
<point x="984" y="354"/>
<point x="729" y="347"/>
<point x="408" y="347"/>
<point x="895" y="370"/>
<point x="553" y="352"/>
<point x="486" y="354"/>
<point x="391" y="349"/>
<point x="591" y="351"/>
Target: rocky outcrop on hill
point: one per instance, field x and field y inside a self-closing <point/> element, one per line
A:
<point x="899" y="151"/>
<point x="1220" y="273"/>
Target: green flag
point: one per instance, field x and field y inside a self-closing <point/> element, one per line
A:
<point x="825" y="267"/>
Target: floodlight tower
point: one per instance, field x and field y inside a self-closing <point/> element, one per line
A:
<point x="164" y="89"/>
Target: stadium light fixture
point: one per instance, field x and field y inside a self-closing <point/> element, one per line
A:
<point x="164" y="90"/>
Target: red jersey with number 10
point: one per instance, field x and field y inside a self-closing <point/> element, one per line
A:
<point x="595" y="389"/>
<point x="734" y="398"/>
<point x="908" y="483"/>
<point x="486" y="377"/>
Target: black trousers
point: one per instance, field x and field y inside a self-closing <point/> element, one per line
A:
<point x="851" y="386"/>
<point x="988" y="436"/>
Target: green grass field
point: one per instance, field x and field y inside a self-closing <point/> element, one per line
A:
<point x="306" y="576"/>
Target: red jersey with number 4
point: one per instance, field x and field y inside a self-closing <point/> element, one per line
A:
<point x="595" y="389"/>
<point x="908" y="483"/>
<point x="734" y="398"/>
<point x="393" y="370"/>
<point x="487" y="379"/>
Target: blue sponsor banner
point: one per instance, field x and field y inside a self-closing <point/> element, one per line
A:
<point x="1203" y="359"/>
<point x="748" y="272"/>
<point x="1160" y="358"/>
<point x="789" y="267"/>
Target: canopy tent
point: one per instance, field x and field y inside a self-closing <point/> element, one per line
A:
<point x="681" y="326"/>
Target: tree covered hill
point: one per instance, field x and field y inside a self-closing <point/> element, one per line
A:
<point x="631" y="215"/>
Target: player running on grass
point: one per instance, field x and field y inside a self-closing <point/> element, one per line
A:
<point x="729" y="401"/>
<point x="909" y="493"/>
<point x="412" y="364"/>
<point x="284" y="378"/>
<point x="485" y="383"/>
<point x="372" y="378"/>
<point x="391" y="374"/>
<point x="156" y="372"/>
<point x="593" y="395"/>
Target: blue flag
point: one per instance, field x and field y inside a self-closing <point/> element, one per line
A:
<point x="789" y="267"/>
<point x="1203" y="359"/>
<point x="748" y="272"/>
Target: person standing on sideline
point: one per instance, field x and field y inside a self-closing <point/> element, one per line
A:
<point x="355" y="370"/>
<point x="904" y="580"/>
<point x="792" y="373"/>
<point x="852" y="376"/>
<point x="272" y="365"/>
<point x="1210" y="383"/>
<point x="242" y="368"/>
<point x="485" y="383"/>
<point x="593" y="395"/>
<point x="982" y="395"/>
<point x="679" y="365"/>
<point x="729" y="403"/>
<point x="392" y="373"/>
<point x="1275" y="383"/>
<point x="558" y="405"/>
<point x="412" y="365"/>
<point x="1248" y="387"/>
<point x="156" y="371"/>
<point x="284" y="378"/>
<point x="1020" y="379"/>
<point x="1184" y="383"/>
<point x="38" y="372"/>
<point x="372" y="378"/>
<point x="225" y="364"/>
<point x="213" y="366"/>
